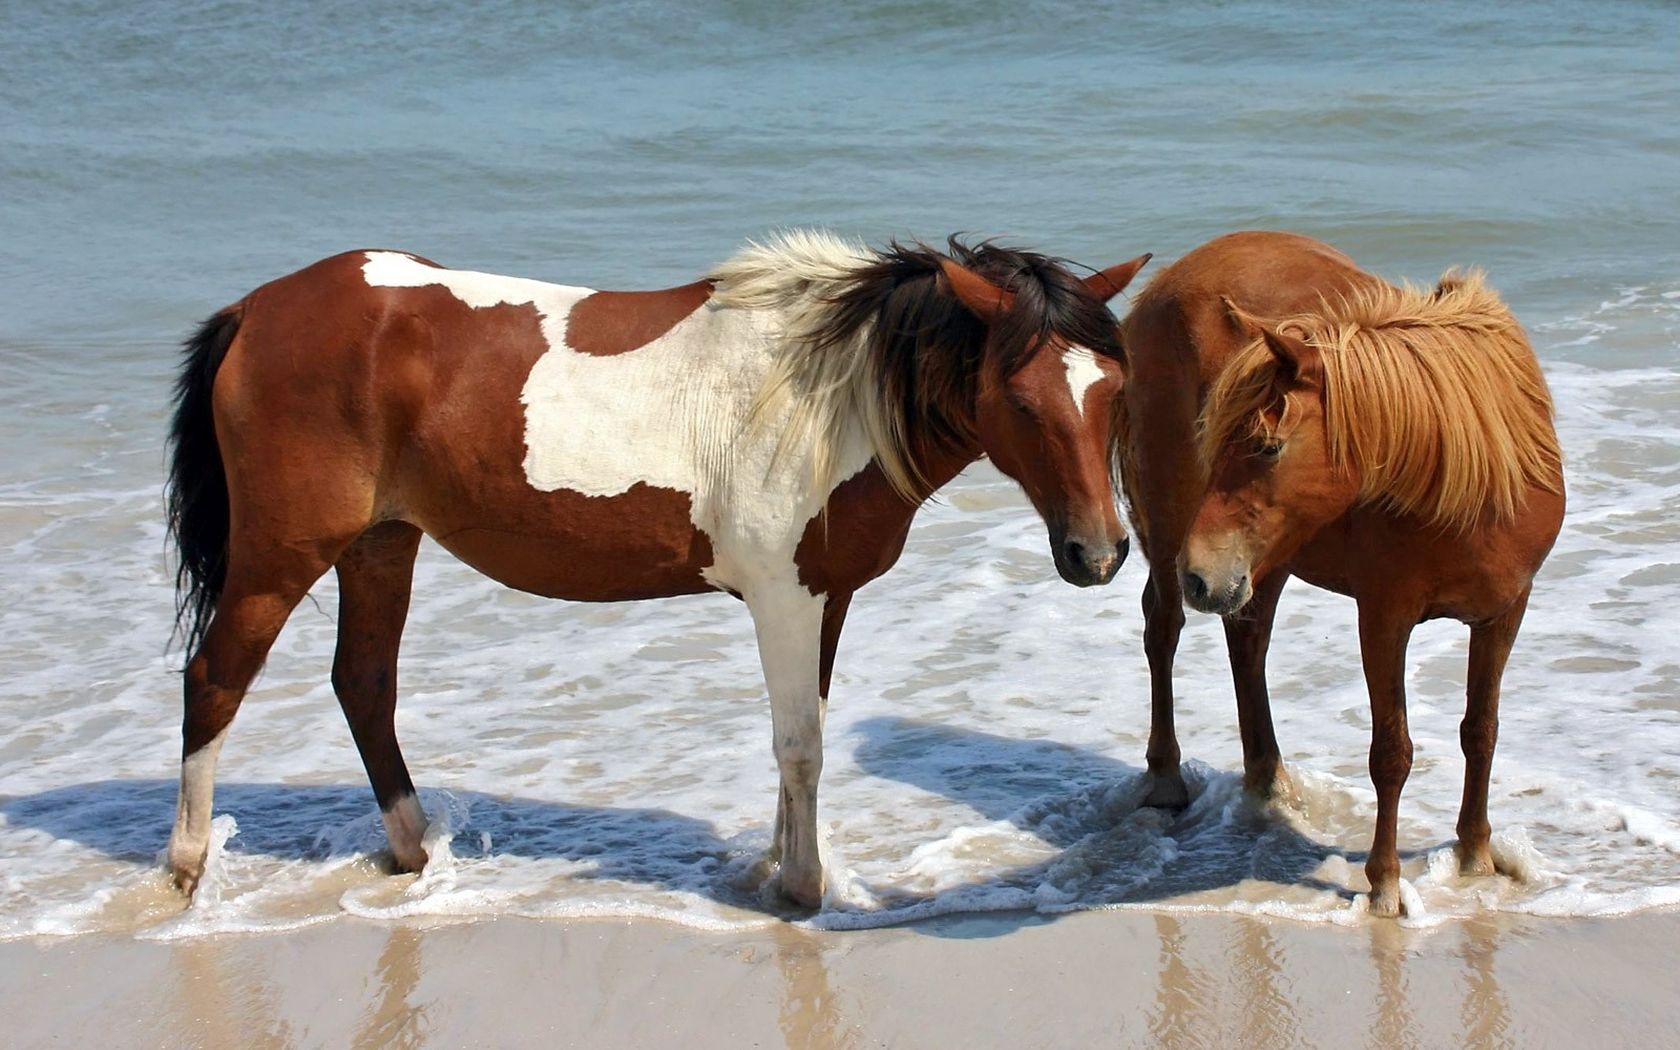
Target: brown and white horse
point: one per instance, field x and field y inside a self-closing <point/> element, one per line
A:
<point x="1288" y="414"/>
<point x="768" y="431"/>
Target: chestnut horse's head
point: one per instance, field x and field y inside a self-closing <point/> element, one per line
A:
<point x="1272" y="480"/>
<point x="1044" y="403"/>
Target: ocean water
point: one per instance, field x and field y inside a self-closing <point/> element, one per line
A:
<point x="159" y="159"/>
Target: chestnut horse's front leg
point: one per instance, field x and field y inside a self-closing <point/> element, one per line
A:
<point x="1248" y="635"/>
<point x="789" y="622"/>
<point x="1384" y="629"/>
<point x="1163" y="621"/>
<point x="1490" y="645"/>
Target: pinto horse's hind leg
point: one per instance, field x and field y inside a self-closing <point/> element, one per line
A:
<point x="1163" y="621"/>
<point x="1248" y="635"/>
<point x="1490" y="645"/>
<point x="375" y="577"/>
<point x="255" y="601"/>
<point x="789" y="623"/>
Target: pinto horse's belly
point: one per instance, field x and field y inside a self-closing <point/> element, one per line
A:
<point x="639" y="544"/>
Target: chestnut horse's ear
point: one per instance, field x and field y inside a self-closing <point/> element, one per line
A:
<point x="1109" y="283"/>
<point x="1299" y="363"/>
<point x="983" y="299"/>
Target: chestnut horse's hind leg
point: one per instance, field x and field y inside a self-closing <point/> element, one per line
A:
<point x="1490" y="645"/>
<point x="789" y="623"/>
<point x="1384" y="630"/>
<point x="252" y="608"/>
<point x="1248" y="634"/>
<point x="375" y="577"/>
<point x="1163" y="621"/>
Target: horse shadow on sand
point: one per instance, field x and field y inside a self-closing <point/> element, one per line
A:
<point x="1108" y="848"/>
<point x="1085" y="809"/>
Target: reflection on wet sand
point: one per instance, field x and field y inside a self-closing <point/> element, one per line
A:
<point x="1180" y="997"/>
<point x="1245" y="972"/>
<point x="810" y="1013"/>
<point x="395" y="1020"/>
<point x="1128" y="978"/>
<point x="225" y="1005"/>
<point x="1253" y="983"/>
<point x="1257" y="961"/>
<point x="1393" y="1026"/>
<point x="1485" y="1013"/>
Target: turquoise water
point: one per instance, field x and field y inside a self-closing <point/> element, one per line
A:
<point x="159" y="159"/>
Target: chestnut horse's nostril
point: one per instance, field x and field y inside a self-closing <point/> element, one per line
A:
<point x="1073" y="553"/>
<point x="1195" y="588"/>
<point x="1121" y="549"/>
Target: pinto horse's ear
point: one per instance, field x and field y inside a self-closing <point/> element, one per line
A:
<point x="1107" y="284"/>
<point x="981" y="297"/>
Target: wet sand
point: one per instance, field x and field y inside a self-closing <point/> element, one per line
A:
<point x="1129" y="978"/>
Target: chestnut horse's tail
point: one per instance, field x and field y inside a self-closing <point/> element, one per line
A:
<point x="197" y="494"/>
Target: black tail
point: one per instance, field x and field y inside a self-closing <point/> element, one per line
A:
<point x="197" y="496"/>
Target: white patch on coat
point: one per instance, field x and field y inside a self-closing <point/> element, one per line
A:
<point x="676" y="414"/>
<point x="1082" y="372"/>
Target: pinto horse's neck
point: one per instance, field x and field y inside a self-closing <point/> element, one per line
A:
<point x="862" y="530"/>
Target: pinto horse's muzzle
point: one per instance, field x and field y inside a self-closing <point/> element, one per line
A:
<point x="1088" y="562"/>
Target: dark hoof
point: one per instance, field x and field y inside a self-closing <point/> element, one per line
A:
<point x="1386" y="903"/>
<point x="1167" y="792"/>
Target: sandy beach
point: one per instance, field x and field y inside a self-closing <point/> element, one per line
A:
<point x="1123" y="978"/>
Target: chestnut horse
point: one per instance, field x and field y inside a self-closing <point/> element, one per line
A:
<point x="1288" y="414"/>
<point x="768" y="431"/>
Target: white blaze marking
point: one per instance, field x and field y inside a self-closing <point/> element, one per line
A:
<point x="1082" y="371"/>
<point x="672" y="414"/>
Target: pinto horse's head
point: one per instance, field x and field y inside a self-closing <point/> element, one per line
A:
<point x="1044" y="404"/>
<point x="1273" y="483"/>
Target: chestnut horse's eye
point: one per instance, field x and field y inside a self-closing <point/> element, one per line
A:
<point x="1268" y="448"/>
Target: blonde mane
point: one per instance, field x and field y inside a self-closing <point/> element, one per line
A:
<point x="797" y="274"/>
<point x="1432" y="398"/>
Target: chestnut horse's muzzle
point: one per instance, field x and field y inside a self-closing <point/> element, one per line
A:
<point x="1219" y="592"/>
<point x="1088" y="562"/>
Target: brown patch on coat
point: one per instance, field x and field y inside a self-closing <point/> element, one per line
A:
<point x="608" y="323"/>
<point x="404" y="404"/>
<point x="861" y="533"/>
<point x="857" y="538"/>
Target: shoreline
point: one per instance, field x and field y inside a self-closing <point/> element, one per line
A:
<point x="1003" y="979"/>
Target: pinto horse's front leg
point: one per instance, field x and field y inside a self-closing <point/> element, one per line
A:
<point x="789" y="622"/>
